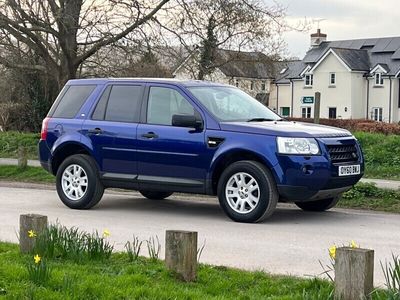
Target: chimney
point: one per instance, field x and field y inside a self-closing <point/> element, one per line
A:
<point x="317" y="38"/>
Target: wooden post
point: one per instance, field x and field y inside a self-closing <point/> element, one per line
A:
<point x="181" y="253"/>
<point x="354" y="273"/>
<point x="317" y="106"/>
<point x="30" y="226"/>
<point x="22" y="157"/>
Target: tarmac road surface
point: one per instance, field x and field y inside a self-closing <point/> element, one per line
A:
<point x="290" y="242"/>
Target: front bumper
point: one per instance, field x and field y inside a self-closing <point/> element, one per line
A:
<point x="310" y="178"/>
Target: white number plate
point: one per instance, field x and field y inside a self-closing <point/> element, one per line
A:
<point x="349" y="170"/>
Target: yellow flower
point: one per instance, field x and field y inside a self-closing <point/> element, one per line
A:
<point x="31" y="234"/>
<point x="353" y="244"/>
<point x="37" y="259"/>
<point x="332" y="251"/>
<point x="106" y="233"/>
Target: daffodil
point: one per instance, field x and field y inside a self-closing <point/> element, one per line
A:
<point x="31" y="234"/>
<point x="353" y="244"/>
<point x="332" y="252"/>
<point x="106" y="233"/>
<point x="37" y="259"/>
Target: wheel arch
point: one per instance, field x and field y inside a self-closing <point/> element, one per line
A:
<point x="65" y="150"/>
<point x="227" y="158"/>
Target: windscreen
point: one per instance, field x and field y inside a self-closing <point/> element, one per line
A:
<point x="230" y="104"/>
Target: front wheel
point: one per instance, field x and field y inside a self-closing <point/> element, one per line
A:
<point x="78" y="183"/>
<point x="247" y="192"/>
<point x="155" y="195"/>
<point x="318" y="205"/>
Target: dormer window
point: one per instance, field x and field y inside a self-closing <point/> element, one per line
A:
<point x="308" y="80"/>
<point x="378" y="79"/>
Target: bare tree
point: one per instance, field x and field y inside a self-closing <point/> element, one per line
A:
<point x="63" y="34"/>
<point x="207" y="25"/>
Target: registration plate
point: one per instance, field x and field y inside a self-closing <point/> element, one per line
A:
<point x="349" y="170"/>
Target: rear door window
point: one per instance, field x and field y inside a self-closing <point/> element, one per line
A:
<point x="71" y="101"/>
<point x="119" y="103"/>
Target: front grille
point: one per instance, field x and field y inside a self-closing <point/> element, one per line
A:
<point x="343" y="153"/>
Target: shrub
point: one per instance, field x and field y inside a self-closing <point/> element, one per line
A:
<point x="357" y="125"/>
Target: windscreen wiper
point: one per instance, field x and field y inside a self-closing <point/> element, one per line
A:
<point x="262" y="120"/>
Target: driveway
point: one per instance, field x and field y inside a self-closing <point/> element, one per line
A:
<point x="291" y="242"/>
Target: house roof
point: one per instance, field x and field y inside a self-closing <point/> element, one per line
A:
<point x="358" y="55"/>
<point x="245" y="64"/>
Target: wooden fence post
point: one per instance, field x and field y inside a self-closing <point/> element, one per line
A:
<point x="354" y="273"/>
<point x="181" y="253"/>
<point x="22" y="157"/>
<point x="30" y="226"/>
<point x="317" y="107"/>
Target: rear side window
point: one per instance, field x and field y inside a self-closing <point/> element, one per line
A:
<point x="119" y="103"/>
<point x="71" y="101"/>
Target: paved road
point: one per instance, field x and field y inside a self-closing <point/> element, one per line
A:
<point x="291" y="242"/>
<point x="14" y="162"/>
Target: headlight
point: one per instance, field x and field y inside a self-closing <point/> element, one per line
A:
<point x="304" y="146"/>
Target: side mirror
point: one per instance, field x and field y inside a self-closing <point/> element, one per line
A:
<point x="187" y="121"/>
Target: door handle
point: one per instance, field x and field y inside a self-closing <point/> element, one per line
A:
<point x="95" y="131"/>
<point x="150" y="135"/>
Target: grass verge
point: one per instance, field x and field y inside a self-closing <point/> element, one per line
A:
<point x="117" y="278"/>
<point x="30" y="174"/>
<point x="368" y="196"/>
<point x="382" y="152"/>
<point x="11" y="140"/>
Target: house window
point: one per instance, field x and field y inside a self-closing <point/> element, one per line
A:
<point x="378" y="79"/>
<point x="263" y="85"/>
<point x="332" y="79"/>
<point x="252" y="85"/>
<point x="306" y="112"/>
<point x="237" y="82"/>
<point x="377" y="113"/>
<point x="308" y="81"/>
<point x="285" y="111"/>
<point x="332" y="112"/>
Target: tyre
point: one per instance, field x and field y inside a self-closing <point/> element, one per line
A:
<point x="247" y="192"/>
<point x="78" y="183"/>
<point x="155" y="195"/>
<point x="318" y="205"/>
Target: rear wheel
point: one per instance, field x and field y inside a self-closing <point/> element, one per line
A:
<point x="318" y="205"/>
<point x="155" y="195"/>
<point x="247" y="192"/>
<point x="78" y="183"/>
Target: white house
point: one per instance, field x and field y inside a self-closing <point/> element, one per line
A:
<point x="357" y="79"/>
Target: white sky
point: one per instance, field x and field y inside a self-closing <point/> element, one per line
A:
<point x="345" y="19"/>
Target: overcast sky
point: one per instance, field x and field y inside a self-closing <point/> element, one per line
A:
<point x="345" y="19"/>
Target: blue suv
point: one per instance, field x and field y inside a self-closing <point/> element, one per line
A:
<point x="161" y="136"/>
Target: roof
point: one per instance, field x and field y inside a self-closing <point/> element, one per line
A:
<point x="172" y="81"/>
<point x="358" y="55"/>
<point x="245" y="64"/>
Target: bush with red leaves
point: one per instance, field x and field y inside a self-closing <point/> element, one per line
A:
<point x="357" y="125"/>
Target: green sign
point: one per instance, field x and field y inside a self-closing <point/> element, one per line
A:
<point x="307" y="100"/>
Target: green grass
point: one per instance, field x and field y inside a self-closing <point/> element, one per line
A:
<point x="117" y="278"/>
<point x="30" y="174"/>
<point x="368" y="196"/>
<point x="11" y="140"/>
<point x="382" y="152"/>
